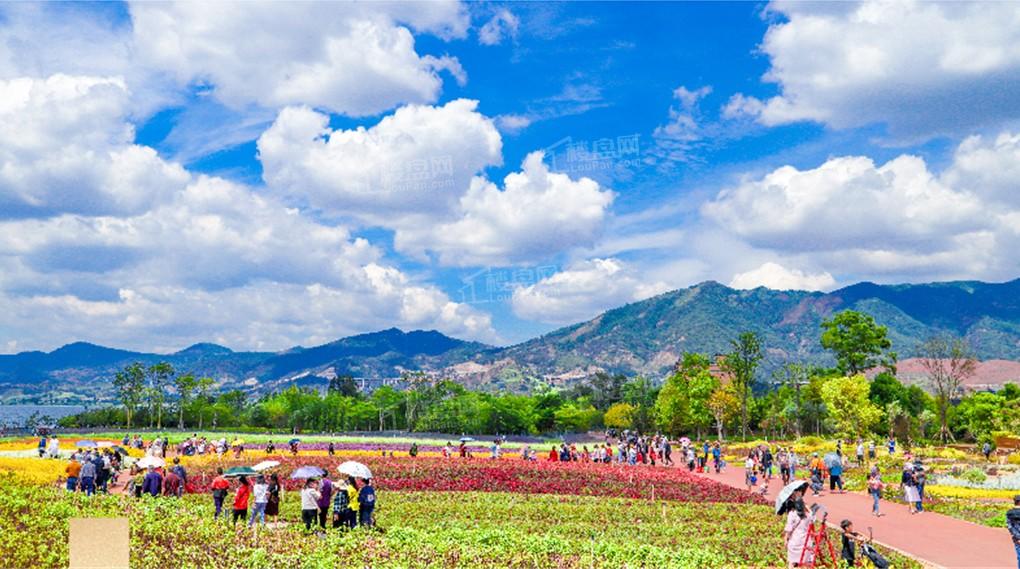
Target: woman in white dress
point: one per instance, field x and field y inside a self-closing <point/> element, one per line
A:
<point x="910" y="493"/>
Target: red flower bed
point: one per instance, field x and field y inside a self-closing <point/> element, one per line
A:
<point x="512" y="475"/>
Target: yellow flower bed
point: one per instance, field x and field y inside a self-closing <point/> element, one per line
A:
<point x="969" y="493"/>
<point x="34" y="470"/>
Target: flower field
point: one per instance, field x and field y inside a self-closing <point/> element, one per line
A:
<point x="505" y="475"/>
<point x="435" y="512"/>
<point x="423" y="529"/>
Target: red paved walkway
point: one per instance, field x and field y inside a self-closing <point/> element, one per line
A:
<point x="932" y="538"/>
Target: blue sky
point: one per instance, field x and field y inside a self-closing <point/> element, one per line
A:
<point x="264" y="175"/>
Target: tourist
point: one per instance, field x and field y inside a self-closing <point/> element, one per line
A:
<point x="309" y="503"/>
<point x="986" y="450"/>
<point x="691" y="459"/>
<point x="717" y="457"/>
<point x="849" y="540"/>
<point x="366" y="503"/>
<point x="493" y="450"/>
<point x="798" y="522"/>
<point x="784" y="465"/>
<point x="341" y="504"/>
<point x="42" y="446"/>
<point x="72" y="470"/>
<point x="260" y="491"/>
<point x="53" y="447"/>
<point x="352" y="503"/>
<point x="860" y="452"/>
<point x="270" y="448"/>
<point x="919" y="480"/>
<point x="153" y="483"/>
<point x="910" y="495"/>
<point x="871" y="450"/>
<point x="1013" y="524"/>
<point x="178" y="469"/>
<point x="892" y="446"/>
<point x="836" y="476"/>
<point x="331" y="449"/>
<point x="172" y="484"/>
<point x="220" y="487"/>
<point x="325" y="496"/>
<point x="875" y="486"/>
<point x="794" y="463"/>
<point x="241" y="499"/>
<point x="102" y="463"/>
<point x="88" y="477"/>
<point x="766" y="461"/>
<point x="275" y="496"/>
<point x="816" y="483"/>
<point x="749" y="477"/>
<point x="137" y="480"/>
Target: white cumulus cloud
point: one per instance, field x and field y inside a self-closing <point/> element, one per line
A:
<point x="537" y="214"/>
<point x="66" y="146"/>
<point x="777" y="277"/>
<point x="350" y="57"/>
<point x="582" y="291"/>
<point x="921" y="68"/>
<point x="420" y="159"/>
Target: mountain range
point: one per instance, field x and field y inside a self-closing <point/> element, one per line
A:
<point x="645" y="337"/>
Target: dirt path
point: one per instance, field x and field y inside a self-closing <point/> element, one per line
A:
<point x="934" y="539"/>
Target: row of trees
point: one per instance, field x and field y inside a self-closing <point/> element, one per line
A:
<point x="701" y="396"/>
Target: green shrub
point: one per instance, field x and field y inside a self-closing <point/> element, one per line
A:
<point x="975" y="476"/>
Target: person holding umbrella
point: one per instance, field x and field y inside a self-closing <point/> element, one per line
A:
<point x="790" y="501"/>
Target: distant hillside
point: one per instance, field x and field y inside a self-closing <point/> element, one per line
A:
<point x="81" y="372"/>
<point x="649" y="336"/>
<point x="644" y="337"/>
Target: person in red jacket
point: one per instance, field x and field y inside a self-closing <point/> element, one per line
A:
<point x="220" y="488"/>
<point x="241" y="499"/>
<point x="553" y="455"/>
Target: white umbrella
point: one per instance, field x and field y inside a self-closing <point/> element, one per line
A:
<point x="147" y="461"/>
<point x="355" y="469"/>
<point x="265" y="465"/>
<point x="785" y="494"/>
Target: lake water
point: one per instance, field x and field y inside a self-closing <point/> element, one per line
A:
<point x="15" y="415"/>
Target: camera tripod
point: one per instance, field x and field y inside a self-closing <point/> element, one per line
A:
<point x="823" y="554"/>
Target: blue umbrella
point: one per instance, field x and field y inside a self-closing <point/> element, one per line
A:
<point x="86" y="444"/>
<point x="293" y="441"/>
<point x="307" y="472"/>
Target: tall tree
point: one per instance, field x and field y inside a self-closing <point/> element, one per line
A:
<point x="130" y="386"/>
<point x="850" y="410"/>
<point x="681" y="404"/>
<point x="723" y="404"/>
<point x="160" y="375"/>
<point x="344" y="385"/>
<point x="858" y="343"/>
<point x="948" y="361"/>
<point x="204" y="388"/>
<point x="742" y="363"/>
<point x="795" y="377"/>
<point x="186" y="385"/>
